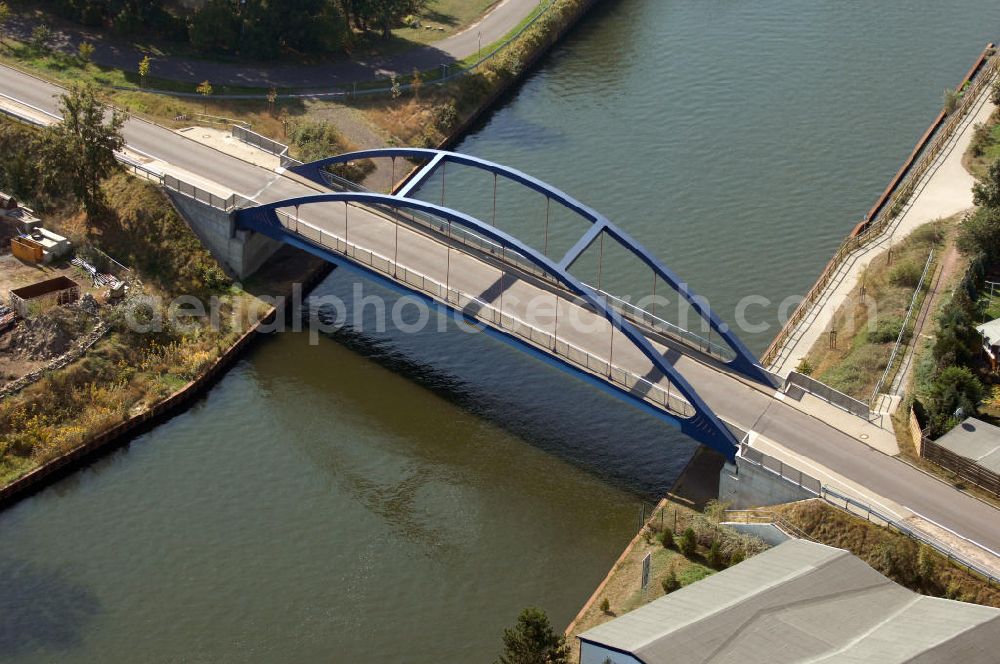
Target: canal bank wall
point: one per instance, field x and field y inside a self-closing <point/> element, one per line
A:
<point x="176" y="403"/>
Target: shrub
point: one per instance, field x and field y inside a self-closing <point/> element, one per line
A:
<point x="885" y="330"/>
<point x="670" y="582"/>
<point x="995" y="93"/>
<point x="980" y="139"/>
<point x="805" y="367"/>
<point x="689" y="543"/>
<point x="951" y="99"/>
<point x="906" y="274"/>
<point x="605" y="605"/>
<point x="925" y="564"/>
<point x="737" y="557"/>
<point x="715" y="555"/>
<point x="667" y="538"/>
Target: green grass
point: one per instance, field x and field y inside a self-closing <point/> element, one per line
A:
<point x="452" y="15"/>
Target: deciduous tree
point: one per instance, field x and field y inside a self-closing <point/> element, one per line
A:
<point x="80" y="149"/>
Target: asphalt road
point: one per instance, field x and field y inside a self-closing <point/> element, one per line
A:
<point x="121" y="54"/>
<point x="733" y="400"/>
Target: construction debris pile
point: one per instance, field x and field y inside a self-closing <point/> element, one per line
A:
<point x="7" y="317"/>
<point x="48" y="335"/>
<point x="101" y="280"/>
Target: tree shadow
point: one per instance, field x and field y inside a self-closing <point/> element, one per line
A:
<point x="435" y="16"/>
<point x="41" y="608"/>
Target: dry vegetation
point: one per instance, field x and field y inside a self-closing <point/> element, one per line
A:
<point x="677" y="559"/>
<point x="126" y="371"/>
<point x="893" y="554"/>
<point x="868" y="323"/>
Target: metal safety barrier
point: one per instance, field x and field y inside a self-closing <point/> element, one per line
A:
<point x="657" y="394"/>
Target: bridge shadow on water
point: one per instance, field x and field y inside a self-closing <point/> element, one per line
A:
<point x="551" y="409"/>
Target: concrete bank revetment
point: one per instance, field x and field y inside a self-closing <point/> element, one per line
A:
<point x="931" y="184"/>
<point x="155" y="414"/>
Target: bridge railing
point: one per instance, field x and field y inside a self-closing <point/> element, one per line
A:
<point x="483" y="244"/>
<point x="660" y="395"/>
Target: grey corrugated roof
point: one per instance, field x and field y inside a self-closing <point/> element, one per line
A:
<point x="803" y="602"/>
<point x="975" y="440"/>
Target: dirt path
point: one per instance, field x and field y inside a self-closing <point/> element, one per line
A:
<point x="950" y="267"/>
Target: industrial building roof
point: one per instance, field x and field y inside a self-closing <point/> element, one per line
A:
<point x="803" y="602"/>
<point x="975" y="440"/>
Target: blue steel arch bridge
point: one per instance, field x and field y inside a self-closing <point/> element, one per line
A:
<point x="496" y="281"/>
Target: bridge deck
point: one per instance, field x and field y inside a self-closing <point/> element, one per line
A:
<point x="827" y="453"/>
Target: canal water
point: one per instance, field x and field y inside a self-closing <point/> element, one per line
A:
<point x="393" y="497"/>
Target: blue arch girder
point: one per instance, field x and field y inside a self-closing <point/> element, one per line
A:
<point x="744" y="361"/>
<point x="703" y="426"/>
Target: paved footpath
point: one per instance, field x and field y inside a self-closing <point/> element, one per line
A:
<point x="944" y="190"/>
<point x="120" y="55"/>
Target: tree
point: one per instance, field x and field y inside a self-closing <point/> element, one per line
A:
<point x="670" y="582"/>
<point x="382" y="14"/>
<point x="533" y="641"/>
<point x="980" y="233"/>
<point x="205" y="90"/>
<point x="85" y="51"/>
<point x="955" y="394"/>
<point x="667" y="538"/>
<point x="715" y="555"/>
<point x="143" y="70"/>
<point x="215" y="28"/>
<point x="416" y="82"/>
<point x="81" y="149"/>
<point x="689" y="543"/>
<point x="272" y="97"/>
<point x="995" y="93"/>
<point x="40" y="36"/>
<point x="986" y="191"/>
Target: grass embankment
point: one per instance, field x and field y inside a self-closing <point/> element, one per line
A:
<point x="868" y="325"/>
<point x="893" y="554"/>
<point x="677" y="558"/>
<point x="127" y="370"/>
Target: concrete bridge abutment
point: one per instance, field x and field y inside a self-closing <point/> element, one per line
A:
<point x="240" y="252"/>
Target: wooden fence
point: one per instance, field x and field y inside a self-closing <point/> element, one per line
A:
<point x="900" y="189"/>
<point x="967" y="469"/>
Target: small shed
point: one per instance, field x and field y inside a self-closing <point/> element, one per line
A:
<point x="44" y="295"/>
<point x="991" y="341"/>
<point x="971" y="450"/>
